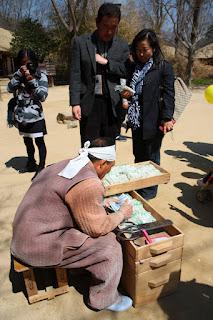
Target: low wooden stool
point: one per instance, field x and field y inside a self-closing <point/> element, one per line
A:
<point x="30" y="283"/>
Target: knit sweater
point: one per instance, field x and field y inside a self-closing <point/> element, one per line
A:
<point x="86" y="203"/>
<point x="58" y="213"/>
<point x="29" y="95"/>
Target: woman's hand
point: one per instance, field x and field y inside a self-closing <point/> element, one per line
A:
<point x="23" y="69"/>
<point x="125" y="104"/>
<point x="126" y="94"/>
<point x="26" y="73"/>
<point x="167" y="126"/>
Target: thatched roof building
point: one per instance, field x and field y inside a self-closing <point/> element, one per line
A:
<point x="205" y="52"/>
<point x="5" y="39"/>
<point x="6" y="61"/>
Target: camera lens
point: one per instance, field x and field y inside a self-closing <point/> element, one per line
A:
<point x="31" y="67"/>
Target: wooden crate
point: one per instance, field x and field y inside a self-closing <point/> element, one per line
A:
<point x="140" y="183"/>
<point x="152" y="270"/>
<point x="33" y="293"/>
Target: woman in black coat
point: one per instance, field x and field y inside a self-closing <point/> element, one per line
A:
<point x="151" y="107"/>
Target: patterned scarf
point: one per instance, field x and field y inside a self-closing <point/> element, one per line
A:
<point x="134" y="114"/>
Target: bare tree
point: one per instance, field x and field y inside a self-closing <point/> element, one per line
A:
<point x="191" y="20"/>
<point x="75" y="13"/>
<point x="12" y="11"/>
<point x="130" y="22"/>
<point x="153" y="14"/>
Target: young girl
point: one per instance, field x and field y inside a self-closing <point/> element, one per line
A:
<point x="30" y="86"/>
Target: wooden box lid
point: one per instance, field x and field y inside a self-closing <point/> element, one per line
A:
<point x="139" y="183"/>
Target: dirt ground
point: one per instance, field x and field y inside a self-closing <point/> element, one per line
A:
<point x="187" y="154"/>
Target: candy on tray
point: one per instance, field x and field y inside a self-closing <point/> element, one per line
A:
<point x="125" y="173"/>
<point x="139" y="215"/>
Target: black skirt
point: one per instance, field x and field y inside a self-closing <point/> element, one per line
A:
<point x="35" y="129"/>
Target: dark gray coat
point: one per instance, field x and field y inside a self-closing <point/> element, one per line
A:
<point x="83" y="71"/>
<point x="158" y="84"/>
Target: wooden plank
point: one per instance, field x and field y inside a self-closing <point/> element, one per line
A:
<point x="19" y="267"/>
<point x="139" y="183"/>
<point x="30" y="283"/>
<point x="61" y="275"/>
<point x="49" y="295"/>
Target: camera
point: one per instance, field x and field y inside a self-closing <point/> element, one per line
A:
<point x="31" y="67"/>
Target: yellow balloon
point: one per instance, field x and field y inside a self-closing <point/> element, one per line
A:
<point x="209" y="94"/>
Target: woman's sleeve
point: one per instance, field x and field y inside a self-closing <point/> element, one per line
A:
<point x="168" y="92"/>
<point x="14" y="83"/>
<point x="39" y="87"/>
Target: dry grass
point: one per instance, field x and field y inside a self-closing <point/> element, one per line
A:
<point x="200" y="69"/>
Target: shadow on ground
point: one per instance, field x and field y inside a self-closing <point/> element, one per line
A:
<point x="194" y="160"/>
<point x="202" y="212"/>
<point x="201" y="148"/>
<point x="17" y="163"/>
<point x="192" y="301"/>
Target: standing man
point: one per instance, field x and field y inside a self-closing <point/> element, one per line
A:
<point x="98" y="63"/>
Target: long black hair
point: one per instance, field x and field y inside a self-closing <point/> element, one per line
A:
<point x="30" y="54"/>
<point x="150" y="36"/>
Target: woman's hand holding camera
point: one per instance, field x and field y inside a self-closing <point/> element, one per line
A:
<point x="126" y="94"/>
<point x="26" y="73"/>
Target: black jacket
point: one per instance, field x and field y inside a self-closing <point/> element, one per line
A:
<point x="158" y="83"/>
<point x="83" y="71"/>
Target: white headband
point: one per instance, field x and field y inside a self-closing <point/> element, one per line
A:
<point x="76" y="164"/>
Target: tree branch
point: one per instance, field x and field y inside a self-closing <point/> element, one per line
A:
<point x="60" y="16"/>
<point x="84" y="6"/>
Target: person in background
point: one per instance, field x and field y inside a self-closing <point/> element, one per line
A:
<point x="30" y="87"/>
<point x="206" y="180"/>
<point x="151" y="108"/>
<point x="67" y="224"/>
<point x="98" y="63"/>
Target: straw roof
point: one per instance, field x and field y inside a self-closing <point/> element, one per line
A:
<point x="205" y="52"/>
<point x="5" y="39"/>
